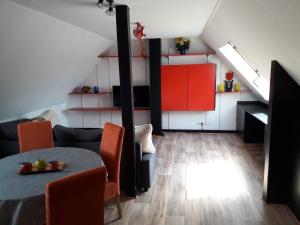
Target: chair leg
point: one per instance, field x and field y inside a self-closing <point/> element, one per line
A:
<point x="119" y="206"/>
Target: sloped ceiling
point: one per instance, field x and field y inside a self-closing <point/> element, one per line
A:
<point x="262" y="31"/>
<point x="163" y="19"/>
<point x="41" y="58"/>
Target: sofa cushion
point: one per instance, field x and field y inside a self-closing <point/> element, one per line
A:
<point x="9" y="130"/>
<point x="48" y="115"/>
<point x="65" y="134"/>
<point x="143" y="135"/>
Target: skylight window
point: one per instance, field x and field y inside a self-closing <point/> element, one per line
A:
<point x="251" y="75"/>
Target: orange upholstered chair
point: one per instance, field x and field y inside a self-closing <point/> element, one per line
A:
<point x="77" y="199"/>
<point x="35" y="135"/>
<point x="110" y="151"/>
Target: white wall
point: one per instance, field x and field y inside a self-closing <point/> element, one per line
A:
<point x="41" y="59"/>
<point x="106" y="74"/>
<point x="223" y="118"/>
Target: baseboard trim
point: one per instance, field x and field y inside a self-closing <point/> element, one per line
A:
<point x="200" y="131"/>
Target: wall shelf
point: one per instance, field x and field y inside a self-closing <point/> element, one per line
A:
<point x="189" y="54"/>
<point x="105" y="109"/>
<point x="100" y="93"/>
<point x="231" y="92"/>
<point x="162" y="55"/>
<point x="116" y="56"/>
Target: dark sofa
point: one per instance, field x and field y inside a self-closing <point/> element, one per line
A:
<point x="9" y="144"/>
<point x="88" y="138"/>
<point x="145" y="168"/>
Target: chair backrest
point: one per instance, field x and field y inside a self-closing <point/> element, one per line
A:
<point x="77" y="199"/>
<point x="110" y="150"/>
<point x="35" y="135"/>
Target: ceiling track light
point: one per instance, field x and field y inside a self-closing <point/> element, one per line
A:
<point x="110" y="11"/>
<point x="109" y="4"/>
<point x="100" y="4"/>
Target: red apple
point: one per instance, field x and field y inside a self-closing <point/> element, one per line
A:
<point x="54" y="164"/>
<point x="26" y="167"/>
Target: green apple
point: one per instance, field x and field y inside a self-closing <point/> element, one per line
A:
<point x="40" y="164"/>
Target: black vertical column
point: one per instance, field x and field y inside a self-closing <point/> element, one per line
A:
<point x="279" y="151"/>
<point x="124" y="52"/>
<point x="155" y="84"/>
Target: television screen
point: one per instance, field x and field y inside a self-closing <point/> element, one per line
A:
<point x="116" y="96"/>
<point x="140" y="96"/>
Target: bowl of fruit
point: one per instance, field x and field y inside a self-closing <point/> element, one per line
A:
<point x="40" y="166"/>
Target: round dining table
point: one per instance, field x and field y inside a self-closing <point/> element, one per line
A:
<point x="22" y="197"/>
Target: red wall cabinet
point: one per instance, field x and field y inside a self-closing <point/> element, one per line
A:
<point x="188" y="87"/>
<point x="201" y="87"/>
<point x="174" y="88"/>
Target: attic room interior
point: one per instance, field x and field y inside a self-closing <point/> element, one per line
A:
<point x="149" y="113"/>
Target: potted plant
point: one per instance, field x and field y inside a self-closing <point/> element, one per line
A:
<point x="86" y="89"/>
<point x="182" y="45"/>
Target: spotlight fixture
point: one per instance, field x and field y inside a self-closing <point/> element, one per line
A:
<point x="107" y="4"/>
<point x="100" y="4"/>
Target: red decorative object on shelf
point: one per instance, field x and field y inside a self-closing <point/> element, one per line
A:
<point x="229" y="75"/>
<point x="229" y="81"/>
<point x="138" y="31"/>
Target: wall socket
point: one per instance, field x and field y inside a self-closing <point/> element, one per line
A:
<point x="202" y="123"/>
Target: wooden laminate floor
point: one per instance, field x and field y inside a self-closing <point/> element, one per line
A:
<point x="203" y="179"/>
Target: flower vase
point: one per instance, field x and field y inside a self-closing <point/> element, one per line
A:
<point x="182" y="51"/>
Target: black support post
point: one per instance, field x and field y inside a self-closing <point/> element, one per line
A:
<point x="279" y="151"/>
<point x="124" y="52"/>
<point x="155" y="84"/>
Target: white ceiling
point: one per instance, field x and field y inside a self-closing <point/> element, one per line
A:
<point x="163" y="19"/>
